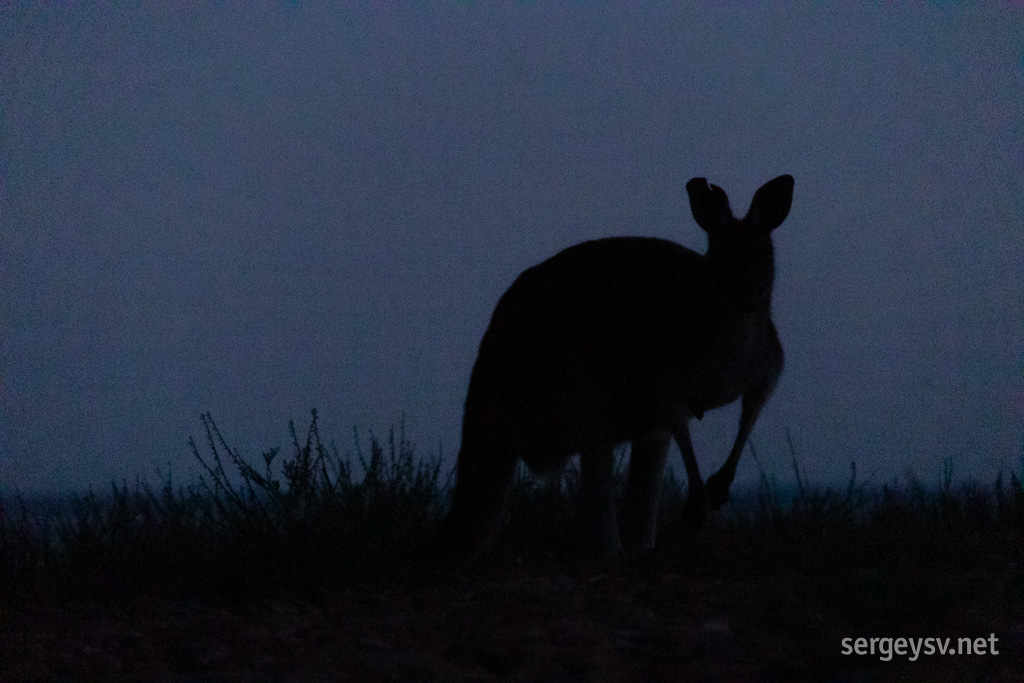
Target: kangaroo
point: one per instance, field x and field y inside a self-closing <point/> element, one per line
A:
<point x="623" y="339"/>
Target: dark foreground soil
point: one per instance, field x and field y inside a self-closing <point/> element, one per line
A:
<point x="519" y="626"/>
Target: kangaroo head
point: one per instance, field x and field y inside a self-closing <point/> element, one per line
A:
<point x="740" y="250"/>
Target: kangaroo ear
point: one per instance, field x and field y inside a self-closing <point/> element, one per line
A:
<point x="771" y="203"/>
<point x="709" y="204"/>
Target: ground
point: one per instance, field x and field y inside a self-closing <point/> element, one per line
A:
<point x="516" y="625"/>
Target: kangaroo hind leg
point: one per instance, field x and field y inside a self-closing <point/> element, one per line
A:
<point x="597" y="467"/>
<point x="643" y="485"/>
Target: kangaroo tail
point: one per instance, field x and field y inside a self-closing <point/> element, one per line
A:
<point x="482" y="482"/>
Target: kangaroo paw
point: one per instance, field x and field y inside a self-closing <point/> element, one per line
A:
<point x="696" y="508"/>
<point x="717" y="491"/>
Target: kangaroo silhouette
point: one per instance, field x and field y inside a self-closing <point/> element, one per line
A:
<point x="623" y="339"/>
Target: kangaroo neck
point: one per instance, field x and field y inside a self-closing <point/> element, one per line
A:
<point x="746" y="279"/>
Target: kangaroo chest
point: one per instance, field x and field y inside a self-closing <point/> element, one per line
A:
<point x="749" y="356"/>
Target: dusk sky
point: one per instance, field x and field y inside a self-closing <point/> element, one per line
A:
<point x="257" y="211"/>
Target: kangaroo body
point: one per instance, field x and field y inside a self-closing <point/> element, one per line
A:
<point x="616" y="340"/>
